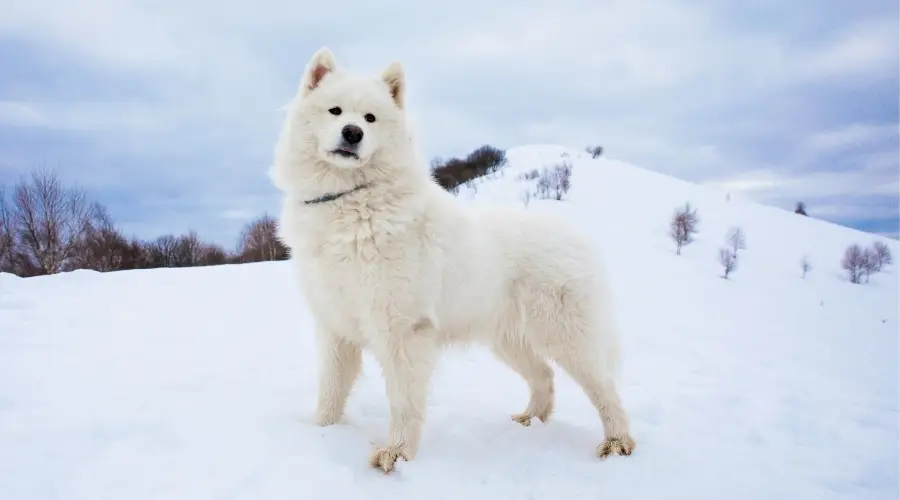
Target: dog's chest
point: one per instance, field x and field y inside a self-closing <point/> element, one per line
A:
<point x="354" y="267"/>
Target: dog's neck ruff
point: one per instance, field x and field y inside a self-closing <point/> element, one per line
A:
<point x="333" y="196"/>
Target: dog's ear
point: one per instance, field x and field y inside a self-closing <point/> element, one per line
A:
<point x="321" y="64"/>
<point x="393" y="77"/>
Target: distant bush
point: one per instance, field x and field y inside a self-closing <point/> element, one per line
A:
<point x="530" y="175"/>
<point x="483" y="161"/>
<point x="800" y="208"/>
<point x="594" y="151"/>
<point x="859" y="262"/>
<point x="683" y="226"/>
<point x="805" y="266"/>
<point x="555" y="181"/>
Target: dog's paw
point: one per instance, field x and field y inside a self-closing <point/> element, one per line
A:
<point x="386" y="458"/>
<point x="616" y="446"/>
<point x="523" y="418"/>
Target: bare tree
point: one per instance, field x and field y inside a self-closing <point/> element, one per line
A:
<point x="683" y="226"/>
<point x="259" y="241"/>
<point x="882" y="255"/>
<point x="854" y="262"/>
<point x="50" y="222"/>
<point x="188" y="250"/>
<point x="563" y="179"/>
<point x="869" y="263"/>
<point x="736" y="239"/>
<point x="6" y="234"/>
<point x="805" y="265"/>
<point x="161" y="252"/>
<point x="728" y="259"/>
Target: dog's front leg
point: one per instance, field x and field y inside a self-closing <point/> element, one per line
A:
<point x="407" y="356"/>
<point x="340" y="362"/>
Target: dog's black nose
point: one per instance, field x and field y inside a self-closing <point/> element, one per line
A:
<point x="352" y="134"/>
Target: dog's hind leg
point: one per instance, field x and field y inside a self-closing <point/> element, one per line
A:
<point x="583" y="365"/>
<point x="340" y="362"/>
<point x="536" y="371"/>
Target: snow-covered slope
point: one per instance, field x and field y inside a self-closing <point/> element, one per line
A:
<point x="195" y="384"/>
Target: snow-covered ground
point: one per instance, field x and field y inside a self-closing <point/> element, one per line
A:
<point x="195" y="384"/>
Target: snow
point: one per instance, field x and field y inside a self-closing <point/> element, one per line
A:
<point x="200" y="383"/>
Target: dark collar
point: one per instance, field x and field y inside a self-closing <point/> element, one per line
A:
<point x="334" y="196"/>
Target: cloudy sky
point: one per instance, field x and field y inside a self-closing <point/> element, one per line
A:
<point x="168" y="111"/>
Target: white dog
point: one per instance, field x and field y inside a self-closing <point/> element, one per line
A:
<point x="391" y="262"/>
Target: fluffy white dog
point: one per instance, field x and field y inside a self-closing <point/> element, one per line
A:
<point x="391" y="262"/>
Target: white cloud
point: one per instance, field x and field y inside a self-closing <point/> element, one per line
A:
<point x="850" y="135"/>
<point x="19" y="114"/>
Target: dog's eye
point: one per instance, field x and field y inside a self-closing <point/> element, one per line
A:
<point x="335" y="111"/>
<point x="370" y="117"/>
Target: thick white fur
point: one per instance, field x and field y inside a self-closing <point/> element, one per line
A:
<point x="403" y="268"/>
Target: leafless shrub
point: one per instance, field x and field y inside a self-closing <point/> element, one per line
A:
<point x="594" y="151"/>
<point x="530" y="175"/>
<point x="805" y="266"/>
<point x="683" y="226"/>
<point x="881" y="254"/>
<point x="728" y="260"/>
<point x="554" y="182"/>
<point x="259" y="241"/>
<point x="869" y="263"/>
<point x="525" y="196"/>
<point x="736" y="239"/>
<point x="854" y="262"/>
<point x="105" y="248"/>
<point x="212" y="254"/>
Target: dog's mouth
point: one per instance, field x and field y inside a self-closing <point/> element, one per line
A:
<point x="345" y="153"/>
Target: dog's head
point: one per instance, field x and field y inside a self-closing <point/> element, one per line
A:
<point x="346" y="117"/>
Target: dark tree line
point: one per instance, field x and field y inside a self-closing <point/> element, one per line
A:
<point x="47" y="228"/>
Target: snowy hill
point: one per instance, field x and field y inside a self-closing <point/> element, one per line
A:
<point x="194" y="384"/>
